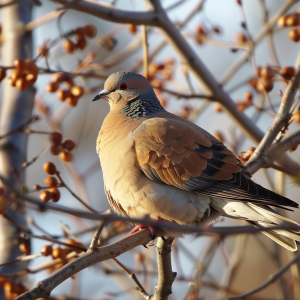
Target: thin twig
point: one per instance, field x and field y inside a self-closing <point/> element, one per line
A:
<point x="145" y="52"/>
<point x="273" y="278"/>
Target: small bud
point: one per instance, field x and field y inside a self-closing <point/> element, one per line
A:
<point x="49" y="168"/>
<point x="37" y="187"/>
<point x="45" y="196"/>
<point x="218" y="107"/>
<point x="132" y="28"/>
<point x="55" y="137"/>
<point x="219" y="136"/>
<point x="240" y="38"/>
<point x="264" y="86"/>
<point x="51" y="181"/>
<point x="200" y="29"/>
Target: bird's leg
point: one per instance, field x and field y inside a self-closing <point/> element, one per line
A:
<point x="150" y="228"/>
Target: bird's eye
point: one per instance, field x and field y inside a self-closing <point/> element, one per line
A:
<point x="123" y="86"/>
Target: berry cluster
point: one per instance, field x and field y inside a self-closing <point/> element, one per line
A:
<point x="291" y="20"/>
<point x="80" y="33"/>
<point x="62" y="149"/>
<point x="24" y="74"/>
<point x="71" y="94"/>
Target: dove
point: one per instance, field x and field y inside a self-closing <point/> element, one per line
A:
<point x="158" y="165"/>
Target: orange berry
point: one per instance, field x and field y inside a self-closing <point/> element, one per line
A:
<point x="55" y="149"/>
<point x="69" y="46"/>
<point x="55" y="137"/>
<point x="31" y="78"/>
<point x="292" y="20"/>
<point x="199" y="40"/>
<point x="77" y="91"/>
<point x="49" y="168"/>
<point x="132" y="28"/>
<point x="253" y="82"/>
<point x="31" y="67"/>
<point x="263" y="86"/>
<point x="267" y="73"/>
<point x="81" y="43"/>
<point x="45" y="196"/>
<point x="25" y="248"/>
<point x="55" y="194"/>
<point x="294" y="35"/>
<point x="65" y="156"/>
<point x="200" y="29"/>
<point x="21" y="84"/>
<point x="72" y="100"/>
<point x="58" y="77"/>
<point x="282" y="21"/>
<point x="218" y="107"/>
<point x="52" y="87"/>
<point x="59" y="253"/>
<point x="47" y="250"/>
<point x="63" y="94"/>
<point x="19" y="64"/>
<point x="72" y="242"/>
<point x="219" y="136"/>
<point x="296" y="116"/>
<point x="90" y="30"/>
<point x="51" y="181"/>
<point x="240" y="38"/>
<point x="288" y="72"/>
<point x="69" y="145"/>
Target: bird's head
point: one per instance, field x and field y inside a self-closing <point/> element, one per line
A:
<point x="122" y="87"/>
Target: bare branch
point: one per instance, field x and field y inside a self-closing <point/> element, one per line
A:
<point x="43" y="288"/>
<point x="273" y="278"/>
<point x="166" y="276"/>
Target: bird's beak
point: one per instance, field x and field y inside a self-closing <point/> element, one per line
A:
<point x="102" y="95"/>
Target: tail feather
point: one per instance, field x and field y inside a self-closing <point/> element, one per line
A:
<point x="285" y="238"/>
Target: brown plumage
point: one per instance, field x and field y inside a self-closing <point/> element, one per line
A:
<point x="158" y="165"/>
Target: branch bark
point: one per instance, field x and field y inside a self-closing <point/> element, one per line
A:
<point x="166" y="276"/>
<point x="44" y="288"/>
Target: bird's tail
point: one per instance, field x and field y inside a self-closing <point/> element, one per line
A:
<point x="285" y="238"/>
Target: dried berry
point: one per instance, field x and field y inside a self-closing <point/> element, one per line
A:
<point x="77" y="91"/>
<point x="25" y="248"/>
<point x="55" y="194"/>
<point x="68" y="145"/>
<point x="65" y="156"/>
<point x="51" y="181"/>
<point x="292" y="20"/>
<point x="69" y="46"/>
<point x="49" y="168"/>
<point x="45" y="196"/>
<point x="264" y="86"/>
<point x="294" y="35"/>
<point x="81" y="43"/>
<point x="55" y="149"/>
<point x="267" y="73"/>
<point x="90" y="30"/>
<point x="63" y="94"/>
<point x="55" y="137"/>
<point x="132" y="28"/>
<point x="47" y="250"/>
<point x="59" y="253"/>
<point x="72" y="100"/>
<point x="52" y="87"/>
<point x="288" y="72"/>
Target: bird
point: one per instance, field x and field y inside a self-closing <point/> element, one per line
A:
<point x="160" y="166"/>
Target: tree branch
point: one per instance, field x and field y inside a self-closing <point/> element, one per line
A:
<point x="166" y="276"/>
<point x="44" y="288"/>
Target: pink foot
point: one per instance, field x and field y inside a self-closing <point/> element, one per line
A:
<point x="150" y="228"/>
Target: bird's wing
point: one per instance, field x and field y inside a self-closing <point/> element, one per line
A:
<point x="178" y="153"/>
